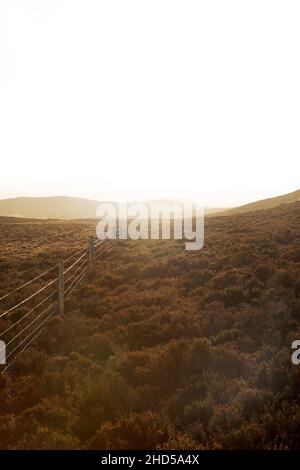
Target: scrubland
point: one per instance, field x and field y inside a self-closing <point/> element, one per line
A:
<point x="163" y="348"/>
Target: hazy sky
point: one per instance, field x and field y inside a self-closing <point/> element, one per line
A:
<point x="147" y="99"/>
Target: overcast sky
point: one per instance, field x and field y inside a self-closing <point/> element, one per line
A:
<point x="146" y="99"/>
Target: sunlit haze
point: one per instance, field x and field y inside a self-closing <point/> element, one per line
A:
<point x="195" y="100"/>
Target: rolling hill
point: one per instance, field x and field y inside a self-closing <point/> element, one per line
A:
<point x="57" y="207"/>
<point x="60" y="207"/>
<point x="264" y="204"/>
<point x="65" y="207"/>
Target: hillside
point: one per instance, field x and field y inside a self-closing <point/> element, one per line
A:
<point x="264" y="204"/>
<point x="164" y="348"/>
<point x="59" y="207"/>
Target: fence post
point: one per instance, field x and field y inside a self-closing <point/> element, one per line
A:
<point x="61" y="288"/>
<point x="91" y="257"/>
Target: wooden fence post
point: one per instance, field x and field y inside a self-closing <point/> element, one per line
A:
<point x="61" y="288"/>
<point x="91" y="257"/>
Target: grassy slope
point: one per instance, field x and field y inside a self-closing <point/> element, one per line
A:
<point x="265" y="203"/>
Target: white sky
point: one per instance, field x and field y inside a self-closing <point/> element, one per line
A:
<point x="147" y="99"/>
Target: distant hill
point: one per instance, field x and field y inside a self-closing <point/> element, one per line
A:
<point x="58" y="207"/>
<point x="263" y="204"/>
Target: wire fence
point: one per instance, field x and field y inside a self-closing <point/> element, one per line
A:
<point x="29" y="307"/>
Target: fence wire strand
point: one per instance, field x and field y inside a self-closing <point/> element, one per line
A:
<point x="27" y="314"/>
<point x="22" y="350"/>
<point x="28" y="298"/>
<point x="78" y="273"/>
<point x="74" y="264"/>
<point x="27" y="283"/>
<point x="83" y="272"/>
<point x="31" y="323"/>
